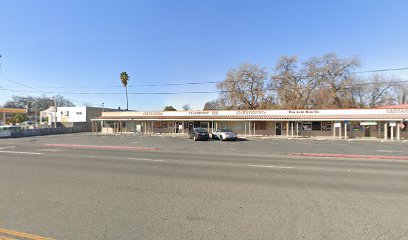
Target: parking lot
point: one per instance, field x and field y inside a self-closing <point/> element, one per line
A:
<point x="85" y="186"/>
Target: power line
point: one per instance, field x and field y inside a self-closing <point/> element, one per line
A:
<point x="193" y="92"/>
<point x="178" y="84"/>
<point x="130" y="86"/>
<point x="117" y="93"/>
<point x="21" y="84"/>
<point x="383" y="70"/>
<point x="36" y="90"/>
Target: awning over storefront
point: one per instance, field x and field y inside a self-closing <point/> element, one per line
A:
<point x="388" y="114"/>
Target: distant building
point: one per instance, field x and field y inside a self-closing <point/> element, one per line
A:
<point x="8" y="111"/>
<point x="78" y="118"/>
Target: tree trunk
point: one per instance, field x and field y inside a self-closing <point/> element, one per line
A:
<point x="127" y="102"/>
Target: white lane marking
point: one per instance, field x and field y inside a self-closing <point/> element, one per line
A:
<point x="30" y="153"/>
<point x="7" y="147"/>
<point x="388" y="151"/>
<point x="51" y="150"/>
<point x="270" y="166"/>
<point x="146" y="159"/>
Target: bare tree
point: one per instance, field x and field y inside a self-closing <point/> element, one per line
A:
<point x="186" y="107"/>
<point x="288" y="83"/>
<point x="212" y="105"/>
<point x="359" y="93"/>
<point x="401" y="91"/>
<point x="40" y="103"/>
<point x="377" y="90"/>
<point x="169" y="108"/>
<point x="319" y="82"/>
<point x="244" y="87"/>
<point x="329" y="80"/>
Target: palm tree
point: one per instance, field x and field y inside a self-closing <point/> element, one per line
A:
<point x="124" y="77"/>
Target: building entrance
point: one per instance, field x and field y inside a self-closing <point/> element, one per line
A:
<point x="278" y="128"/>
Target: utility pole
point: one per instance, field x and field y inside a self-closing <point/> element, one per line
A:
<point x="35" y="111"/>
<point x="4" y="114"/>
<point x="55" y="112"/>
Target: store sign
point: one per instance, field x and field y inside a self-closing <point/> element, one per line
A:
<point x="350" y="113"/>
<point x="397" y="110"/>
<point x="251" y="112"/>
<point x="199" y="113"/>
<point x="303" y="111"/>
<point x="368" y="123"/>
<point x="152" y="113"/>
<point x="393" y="124"/>
<point x="337" y="125"/>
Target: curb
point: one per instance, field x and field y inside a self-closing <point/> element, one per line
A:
<point x="348" y="156"/>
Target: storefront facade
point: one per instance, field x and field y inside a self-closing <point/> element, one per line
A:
<point x="388" y="123"/>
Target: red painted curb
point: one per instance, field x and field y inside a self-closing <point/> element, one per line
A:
<point x="348" y="156"/>
<point x="103" y="147"/>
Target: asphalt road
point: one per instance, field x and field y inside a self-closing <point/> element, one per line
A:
<point x="173" y="188"/>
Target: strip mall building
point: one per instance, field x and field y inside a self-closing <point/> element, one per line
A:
<point x="387" y="122"/>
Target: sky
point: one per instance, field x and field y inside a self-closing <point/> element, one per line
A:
<point x="79" y="48"/>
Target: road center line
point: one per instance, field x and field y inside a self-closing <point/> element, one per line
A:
<point x="146" y="159"/>
<point x="7" y="147"/>
<point x="389" y="151"/>
<point x="29" y="153"/>
<point x="269" y="166"/>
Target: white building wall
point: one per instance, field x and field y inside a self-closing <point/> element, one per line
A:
<point x="71" y="114"/>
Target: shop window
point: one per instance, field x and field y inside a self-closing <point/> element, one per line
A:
<point x="197" y="124"/>
<point x="157" y="125"/>
<point x="109" y="124"/>
<point x="316" y="126"/>
<point x="326" y="126"/>
<point x="356" y="127"/>
<point x="307" y="126"/>
<point x="260" y="125"/>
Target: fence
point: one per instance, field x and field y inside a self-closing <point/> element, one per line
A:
<point x="38" y="132"/>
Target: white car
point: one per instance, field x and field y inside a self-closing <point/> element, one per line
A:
<point x="225" y="134"/>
